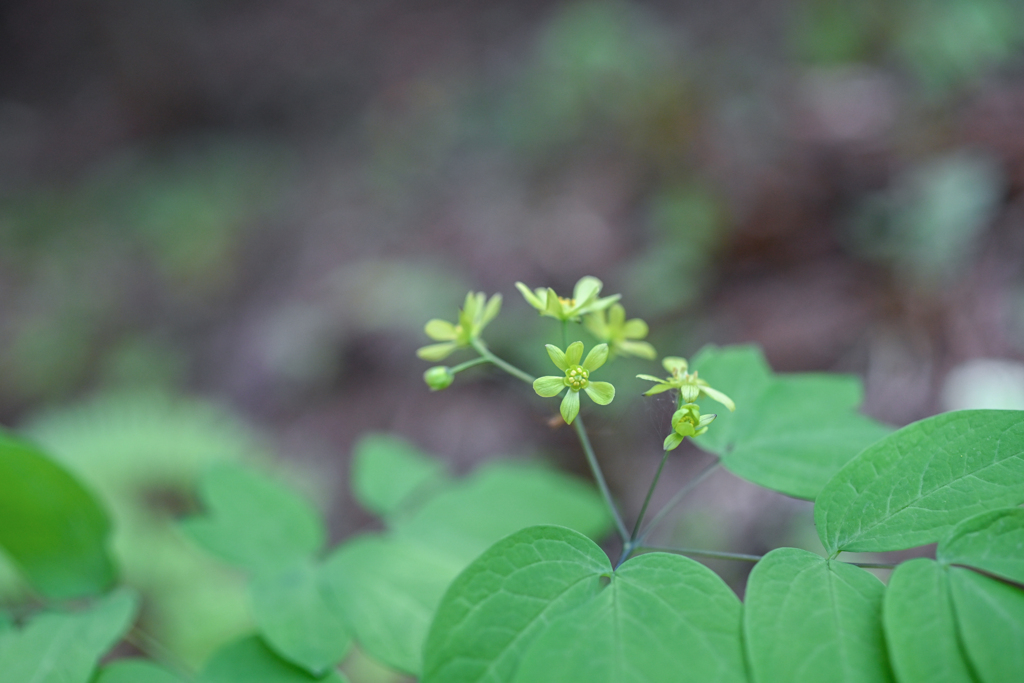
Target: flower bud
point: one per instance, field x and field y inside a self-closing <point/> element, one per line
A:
<point x="439" y="377"/>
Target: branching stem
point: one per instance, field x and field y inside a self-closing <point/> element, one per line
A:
<point x="595" y="469"/>
<point x="647" y="500"/>
<point x="507" y="367"/>
<point x="581" y="432"/>
<point x="676" y="499"/>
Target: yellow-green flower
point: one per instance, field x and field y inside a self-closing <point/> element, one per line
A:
<point x="584" y="299"/>
<point x="689" y="385"/>
<point x="687" y="422"/>
<point x="576" y="378"/>
<point x="473" y="317"/>
<point x="621" y="335"/>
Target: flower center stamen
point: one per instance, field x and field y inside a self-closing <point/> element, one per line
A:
<point x="577" y="377"/>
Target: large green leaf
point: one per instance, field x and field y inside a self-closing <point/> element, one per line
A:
<point x="250" y="661"/>
<point x="388" y="586"/>
<point x="296" y="619"/>
<point x="915" y="485"/>
<point x="135" y="671"/>
<point x="661" y="618"/>
<point x="50" y="526"/>
<point x="254" y="522"/>
<point x="65" y="648"/>
<point x="790" y="433"/>
<point x="992" y="541"/>
<point x="808" y="619"/>
<point x="545" y="605"/>
<point x="387" y="471"/>
<point x="991" y="618"/>
<point x="500" y="498"/>
<point x="920" y="626"/>
<point x="388" y="589"/>
<point x="490" y="613"/>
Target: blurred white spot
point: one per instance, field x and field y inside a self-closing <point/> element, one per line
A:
<point x="985" y="383"/>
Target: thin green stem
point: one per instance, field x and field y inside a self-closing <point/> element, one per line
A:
<point x="595" y="469"/>
<point x="581" y="432"/>
<point x="743" y="557"/>
<point x="507" y="367"/>
<point x="470" y="363"/>
<point x="676" y="499"/>
<point x="647" y="500"/>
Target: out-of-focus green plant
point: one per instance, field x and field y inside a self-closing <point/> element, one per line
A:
<point x="927" y="225"/>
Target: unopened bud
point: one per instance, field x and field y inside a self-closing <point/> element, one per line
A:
<point x="439" y="377"/>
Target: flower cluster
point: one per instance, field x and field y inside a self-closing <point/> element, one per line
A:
<point x="584" y="299"/>
<point x="689" y="385"/>
<point x="622" y="336"/>
<point x="473" y="318"/>
<point x="576" y="378"/>
<point x="687" y="421"/>
<point x="606" y="320"/>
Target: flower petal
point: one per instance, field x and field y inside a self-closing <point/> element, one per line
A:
<point x="616" y="315"/>
<point x="599" y="304"/>
<point x="490" y="312"/>
<point x="650" y="378"/>
<point x="472" y="305"/>
<point x="598" y="326"/>
<point x="440" y="330"/>
<point x="634" y="329"/>
<point x="436" y="352"/>
<point x="717" y="395"/>
<point x="548" y="386"/>
<point x="530" y="297"/>
<point x="602" y="393"/>
<point x="685" y="429"/>
<point x="640" y="349"/>
<point x="553" y="306"/>
<point x="596" y="358"/>
<point x="658" y="388"/>
<point x="689" y="392"/>
<point x="570" y="407"/>
<point x="672" y="441"/>
<point x="675" y="364"/>
<point x="573" y="354"/>
<point x="586" y="289"/>
<point x="557" y="356"/>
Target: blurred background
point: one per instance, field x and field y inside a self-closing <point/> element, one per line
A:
<point x="223" y="225"/>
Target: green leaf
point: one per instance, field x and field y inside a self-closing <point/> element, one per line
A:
<point x="50" y="525"/>
<point x="387" y="471"/>
<point x="253" y="521"/>
<point x="790" y="433"/>
<point x="388" y="589"/>
<point x="992" y="541"/>
<point x="914" y="486"/>
<point x="808" y="619"/>
<point x="250" y="661"/>
<point x="296" y="620"/>
<point x="500" y="498"/>
<point x="135" y="671"/>
<point x="491" y="612"/>
<point x="920" y="625"/>
<point x="663" y="618"/>
<point x="544" y="605"/>
<point x="65" y="647"/>
<point x="388" y="586"/>
<point x="991" y="617"/>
